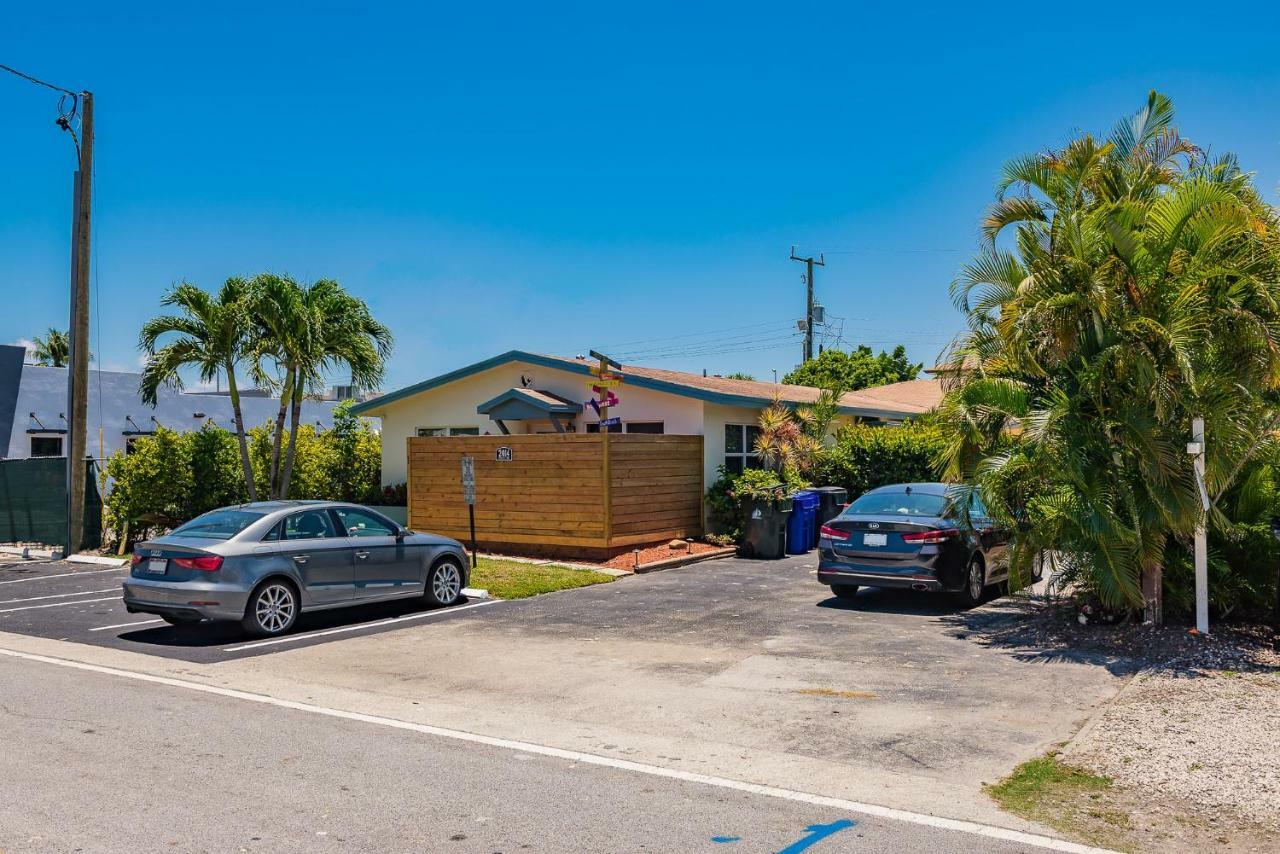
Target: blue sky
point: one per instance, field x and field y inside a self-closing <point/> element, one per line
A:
<point x="559" y="177"/>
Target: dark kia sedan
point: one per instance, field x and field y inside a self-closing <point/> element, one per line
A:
<point x="263" y="564"/>
<point x="918" y="536"/>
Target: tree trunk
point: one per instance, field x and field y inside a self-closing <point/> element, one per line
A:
<point x="240" y="436"/>
<point x="1153" y="594"/>
<point x="295" y="417"/>
<point x="277" y="438"/>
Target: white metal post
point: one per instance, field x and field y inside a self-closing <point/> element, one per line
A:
<point x="1202" y="547"/>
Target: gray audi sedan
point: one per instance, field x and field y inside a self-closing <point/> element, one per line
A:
<point x="263" y="564"/>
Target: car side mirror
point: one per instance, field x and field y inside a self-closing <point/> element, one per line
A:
<point x="401" y="533"/>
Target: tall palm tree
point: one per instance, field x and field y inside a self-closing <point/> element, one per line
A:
<point x="280" y="327"/>
<point x="340" y="334"/>
<point x="1140" y="287"/>
<point x="212" y="334"/>
<point x="53" y="350"/>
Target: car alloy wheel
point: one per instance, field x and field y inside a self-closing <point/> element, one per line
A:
<point x="975" y="580"/>
<point x="445" y="585"/>
<point x="974" y="586"/>
<point x="274" y="608"/>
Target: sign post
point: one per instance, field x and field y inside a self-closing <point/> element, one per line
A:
<point x="469" y="496"/>
<point x="1196" y="449"/>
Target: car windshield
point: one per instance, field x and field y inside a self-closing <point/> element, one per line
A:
<point x="898" y="504"/>
<point x="217" y="524"/>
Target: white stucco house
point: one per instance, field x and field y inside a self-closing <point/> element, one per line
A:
<point x="521" y="392"/>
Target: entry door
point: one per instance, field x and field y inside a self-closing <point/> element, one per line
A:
<point x="384" y="565"/>
<point x="321" y="554"/>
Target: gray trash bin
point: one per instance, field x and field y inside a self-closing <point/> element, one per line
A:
<point x="831" y="502"/>
<point x="765" y="530"/>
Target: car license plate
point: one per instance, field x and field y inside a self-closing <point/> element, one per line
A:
<point x="874" y="539"/>
<point x="156" y="565"/>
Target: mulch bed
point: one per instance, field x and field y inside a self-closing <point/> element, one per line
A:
<point x="653" y="554"/>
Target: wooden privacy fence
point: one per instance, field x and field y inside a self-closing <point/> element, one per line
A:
<point x="584" y="494"/>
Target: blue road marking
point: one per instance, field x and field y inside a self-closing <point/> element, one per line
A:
<point x="817" y="832"/>
<point x="726" y="838"/>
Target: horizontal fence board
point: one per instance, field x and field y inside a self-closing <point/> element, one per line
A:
<point x="623" y="540"/>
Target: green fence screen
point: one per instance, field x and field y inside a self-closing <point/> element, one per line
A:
<point x="33" y="502"/>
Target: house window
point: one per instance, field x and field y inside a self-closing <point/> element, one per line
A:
<point x="740" y="446"/>
<point x="645" y="427"/>
<point x="594" y="427"/>
<point x="46" y="446"/>
<point x="448" y="431"/>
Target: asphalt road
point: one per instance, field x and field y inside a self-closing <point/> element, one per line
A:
<point x="83" y="603"/>
<point x="97" y="762"/>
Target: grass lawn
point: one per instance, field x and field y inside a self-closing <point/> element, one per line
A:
<point x="1070" y="800"/>
<point x="509" y="579"/>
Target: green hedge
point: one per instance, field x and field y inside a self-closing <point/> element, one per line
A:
<point x="171" y="477"/>
<point x="864" y="457"/>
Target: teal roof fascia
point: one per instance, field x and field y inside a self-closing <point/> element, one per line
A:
<point x="370" y="407"/>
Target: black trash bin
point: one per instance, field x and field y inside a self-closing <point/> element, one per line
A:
<point x="831" y="501"/>
<point x="765" y="529"/>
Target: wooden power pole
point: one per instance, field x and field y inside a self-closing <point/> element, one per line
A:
<point x="810" y="263"/>
<point x="78" y="371"/>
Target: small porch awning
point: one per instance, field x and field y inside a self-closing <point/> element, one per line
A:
<point x="527" y="404"/>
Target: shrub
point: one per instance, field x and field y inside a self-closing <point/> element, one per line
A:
<point x="864" y="457"/>
<point x="727" y="497"/>
<point x="171" y="477"/>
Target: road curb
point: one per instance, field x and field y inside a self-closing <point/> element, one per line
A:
<point x="99" y="560"/>
<point x="676" y="562"/>
<point x="30" y="553"/>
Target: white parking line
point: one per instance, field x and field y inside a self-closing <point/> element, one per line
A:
<point x="294" y="638"/>
<point x="125" y="625"/>
<point x="59" y="575"/>
<point x="957" y="825"/>
<point x="115" y="598"/>
<point x="58" y="596"/>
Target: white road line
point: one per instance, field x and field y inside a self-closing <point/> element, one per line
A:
<point x="58" y="596"/>
<point x="957" y="825"/>
<point x="115" y="598"/>
<point x="319" y="634"/>
<point x="125" y="625"/>
<point x="60" y="575"/>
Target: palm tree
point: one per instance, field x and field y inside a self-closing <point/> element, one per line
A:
<point x="280" y="326"/>
<point x="53" y="350"/>
<point x="306" y="332"/>
<point x="340" y="334"/>
<point x="212" y="336"/>
<point x="1140" y="287"/>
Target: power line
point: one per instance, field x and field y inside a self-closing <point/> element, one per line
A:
<point x="714" y="346"/>
<point x="765" y="335"/>
<point x="621" y="344"/>
<point x="37" y="80"/>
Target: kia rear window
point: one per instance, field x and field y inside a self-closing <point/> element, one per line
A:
<point x="898" y="504"/>
<point x="217" y="524"/>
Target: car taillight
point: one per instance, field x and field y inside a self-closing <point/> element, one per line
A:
<point x="136" y="559"/>
<point x="211" y="563"/>
<point x="931" y="537"/>
<point x="833" y="533"/>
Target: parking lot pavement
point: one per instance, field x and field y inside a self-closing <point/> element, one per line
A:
<point x="745" y="669"/>
<point x="82" y="603"/>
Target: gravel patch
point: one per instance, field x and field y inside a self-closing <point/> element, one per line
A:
<point x="1197" y="731"/>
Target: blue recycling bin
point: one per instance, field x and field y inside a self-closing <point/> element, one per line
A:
<point x="803" y="522"/>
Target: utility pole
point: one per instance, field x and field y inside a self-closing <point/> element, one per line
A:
<point x="78" y="370"/>
<point x="810" y="262"/>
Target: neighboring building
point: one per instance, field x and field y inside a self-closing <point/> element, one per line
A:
<point x="519" y="392"/>
<point x="33" y="406"/>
